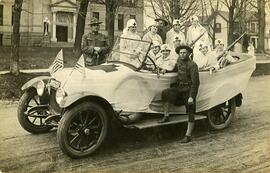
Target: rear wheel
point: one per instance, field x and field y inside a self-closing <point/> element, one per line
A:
<point x="222" y="115"/>
<point x="32" y="114"/>
<point x="82" y="129"/>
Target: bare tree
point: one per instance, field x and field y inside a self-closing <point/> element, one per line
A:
<point x="111" y="11"/>
<point x="261" y="15"/>
<point x="175" y="9"/>
<point x="237" y="10"/>
<point x="15" y="45"/>
<point x="210" y="11"/>
<point x="80" y="26"/>
<point x="231" y="5"/>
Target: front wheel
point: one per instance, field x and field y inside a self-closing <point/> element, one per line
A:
<point x="82" y="129"/>
<point x="222" y="115"/>
<point x="32" y="113"/>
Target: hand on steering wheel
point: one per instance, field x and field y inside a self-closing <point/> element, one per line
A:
<point x="152" y="63"/>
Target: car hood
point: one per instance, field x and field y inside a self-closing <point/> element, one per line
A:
<point x="100" y="80"/>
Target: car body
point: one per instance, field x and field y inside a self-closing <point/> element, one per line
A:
<point x="126" y="92"/>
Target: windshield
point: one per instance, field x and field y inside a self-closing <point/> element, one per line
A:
<point x="129" y="51"/>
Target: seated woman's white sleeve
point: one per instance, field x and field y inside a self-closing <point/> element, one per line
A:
<point x="230" y="58"/>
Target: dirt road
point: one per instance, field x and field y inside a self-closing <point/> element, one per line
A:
<point x="244" y="146"/>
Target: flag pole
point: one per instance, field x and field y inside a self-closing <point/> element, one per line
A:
<point x="81" y="57"/>
<point x="68" y="76"/>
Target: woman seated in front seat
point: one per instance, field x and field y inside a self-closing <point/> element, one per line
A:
<point x="167" y="61"/>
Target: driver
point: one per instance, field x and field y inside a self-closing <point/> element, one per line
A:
<point x="186" y="89"/>
<point x="155" y="53"/>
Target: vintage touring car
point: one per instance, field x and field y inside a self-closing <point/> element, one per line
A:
<point x="124" y="90"/>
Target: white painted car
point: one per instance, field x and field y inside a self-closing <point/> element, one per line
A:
<point x="123" y="90"/>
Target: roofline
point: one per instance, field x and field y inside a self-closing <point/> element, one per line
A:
<point x="55" y="4"/>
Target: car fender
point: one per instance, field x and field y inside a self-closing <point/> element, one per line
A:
<point x="70" y="99"/>
<point x="218" y="96"/>
<point x="33" y="82"/>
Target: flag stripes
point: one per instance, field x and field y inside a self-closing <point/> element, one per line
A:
<point x="80" y="65"/>
<point x="58" y="63"/>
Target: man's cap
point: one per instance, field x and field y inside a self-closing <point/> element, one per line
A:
<point x="162" y="19"/>
<point x="94" y="21"/>
<point x="218" y="41"/>
<point x="131" y="22"/>
<point x="165" y="47"/>
<point x="194" y="18"/>
<point x="189" y="49"/>
<point x="176" y="22"/>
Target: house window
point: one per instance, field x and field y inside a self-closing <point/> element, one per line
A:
<point x="97" y="1"/>
<point x="218" y="28"/>
<point x="12" y="14"/>
<point x="132" y="17"/>
<point x="120" y="22"/>
<point x="96" y="15"/>
<point x="1" y="14"/>
<point x="253" y="27"/>
<point x="1" y="39"/>
<point x="129" y="3"/>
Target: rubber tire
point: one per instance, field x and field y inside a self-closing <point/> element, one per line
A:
<point x="65" y="122"/>
<point x="228" y="121"/>
<point x="23" y="120"/>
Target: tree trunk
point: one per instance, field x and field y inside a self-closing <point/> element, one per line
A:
<point x="80" y="27"/>
<point x="214" y="29"/>
<point x="15" y="38"/>
<point x="261" y="14"/>
<point x="176" y="9"/>
<point x="231" y="25"/>
<point x="110" y="22"/>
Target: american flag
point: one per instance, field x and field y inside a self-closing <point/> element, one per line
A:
<point x="80" y="65"/>
<point x="58" y="63"/>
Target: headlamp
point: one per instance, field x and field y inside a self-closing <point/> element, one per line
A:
<point x="40" y="88"/>
<point x="59" y="95"/>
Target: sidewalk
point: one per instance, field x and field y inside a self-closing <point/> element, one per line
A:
<point x="29" y="71"/>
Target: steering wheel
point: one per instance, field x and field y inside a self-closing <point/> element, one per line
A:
<point x="152" y="63"/>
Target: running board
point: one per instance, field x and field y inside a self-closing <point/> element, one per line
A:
<point x="174" y="119"/>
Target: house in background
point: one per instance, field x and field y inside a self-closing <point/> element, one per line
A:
<point x="62" y="18"/>
<point x="252" y="27"/>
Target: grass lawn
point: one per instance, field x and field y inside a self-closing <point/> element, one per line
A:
<point x="36" y="57"/>
<point x="262" y="69"/>
<point x="10" y="85"/>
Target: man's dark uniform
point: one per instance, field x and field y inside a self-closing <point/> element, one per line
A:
<point x="187" y="86"/>
<point x="162" y="30"/>
<point x="91" y="40"/>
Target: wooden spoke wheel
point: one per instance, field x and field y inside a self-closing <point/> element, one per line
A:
<point x="222" y="115"/>
<point x="82" y="129"/>
<point x="31" y="114"/>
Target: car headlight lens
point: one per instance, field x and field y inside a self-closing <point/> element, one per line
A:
<point x="59" y="95"/>
<point x="40" y="88"/>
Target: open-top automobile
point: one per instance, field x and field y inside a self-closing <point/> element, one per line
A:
<point x="127" y="88"/>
